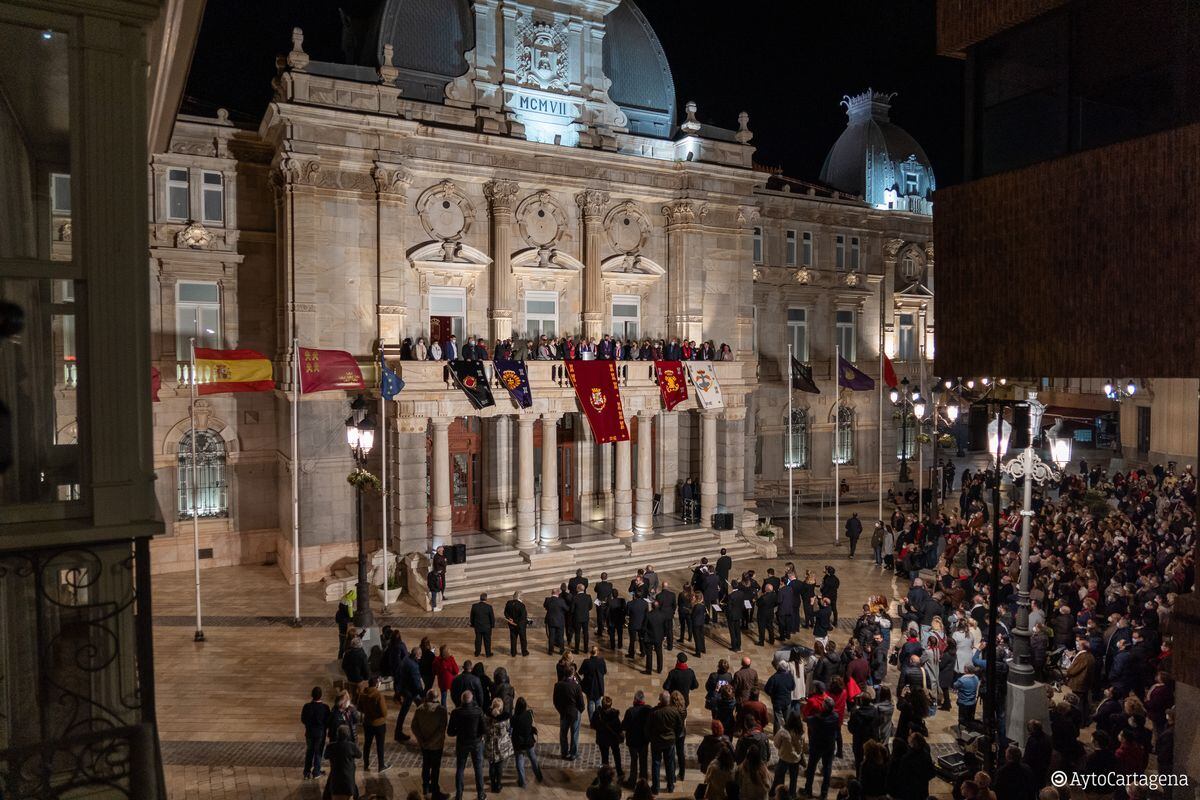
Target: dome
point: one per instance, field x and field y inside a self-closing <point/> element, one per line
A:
<point x="637" y="66"/>
<point x="879" y="160"/>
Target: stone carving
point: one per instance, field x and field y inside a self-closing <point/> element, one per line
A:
<point x="679" y="213"/>
<point x="194" y="148"/>
<point x="627" y="227"/>
<point x="390" y="180"/>
<point x="891" y="247"/>
<point x="757" y="274"/>
<point x="743" y="135"/>
<point x="297" y="59"/>
<point x="542" y="222"/>
<point x="203" y="412"/>
<point x="929" y="252"/>
<point x="803" y="276"/>
<point x="690" y="124"/>
<point x="541" y="55"/>
<point x="387" y="70"/>
<point x="195" y="236"/>
<point x="852" y="279"/>
<point x="747" y="215"/>
<point x="500" y="194"/>
<point x="591" y="202"/>
<point x="446" y="214"/>
<point x="64" y="231"/>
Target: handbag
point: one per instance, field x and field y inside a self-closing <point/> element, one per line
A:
<point x="701" y="791"/>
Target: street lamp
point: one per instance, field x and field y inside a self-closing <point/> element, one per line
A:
<point x="1114" y="392"/>
<point x="1060" y="446"/>
<point x="907" y="402"/>
<point x="360" y="436"/>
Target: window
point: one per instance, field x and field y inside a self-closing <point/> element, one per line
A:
<point x="906" y="436"/>
<point x="541" y="314"/>
<point x="790" y="253"/>
<point x="626" y="316"/>
<point x="910" y="183"/>
<point x="839" y="251"/>
<point x="797" y="320"/>
<point x="906" y="349"/>
<point x="758" y="246"/>
<point x="213" y="197"/>
<point x="843" y="439"/>
<point x="197" y="314"/>
<point x="796" y="455"/>
<point x="854" y="252"/>
<point x="60" y="193"/>
<point x="806" y="249"/>
<point x="908" y="268"/>
<point x="846" y="334"/>
<point x="451" y="302"/>
<point x="177" y="194"/>
<point x="211" y="498"/>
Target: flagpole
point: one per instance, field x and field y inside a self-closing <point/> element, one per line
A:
<point x="383" y="479"/>
<point x="791" y="455"/>
<point x="199" y="637"/>
<point x="837" y="432"/>
<point x="880" y="431"/>
<point x="296" y="482"/>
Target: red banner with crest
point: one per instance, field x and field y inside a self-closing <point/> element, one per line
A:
<point x="595" y="385"/>
<point x="672" y="383"/>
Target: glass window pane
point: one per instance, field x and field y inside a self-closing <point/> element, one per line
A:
<point x="795" y="314"/>
<point x="440" y="304"/>
<point x="212" y="178"/>
<point x="211" y="496"/>
<point x="540" y="307"/>
<point x="60" y="193"/>
<point x="845" y="316"/>
<point x="214" y="206"/>
<point x="458" y="480"/>
<point x="177" y="202"/>
<point x="624" y="310"/>
<point x="199" y="293"/>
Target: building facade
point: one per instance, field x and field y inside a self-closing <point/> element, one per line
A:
<point x="524" y="171"/>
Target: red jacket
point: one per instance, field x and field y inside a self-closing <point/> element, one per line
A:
<point x="813" y="705"/>
<point x="444" y="669"/>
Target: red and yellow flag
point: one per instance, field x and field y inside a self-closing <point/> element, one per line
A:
<point x="325" y="370"/>
<point x="222" y="371"/>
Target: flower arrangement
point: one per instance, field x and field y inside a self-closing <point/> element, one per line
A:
<point x="365" y="481"/>
<point x="765" y="530"/>
<point x="924" y="438"/>
<point x="946" y="440"/>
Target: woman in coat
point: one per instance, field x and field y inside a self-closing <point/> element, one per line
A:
<point x="445" y="668"/>
<point x="426" y="662"/>
<point x="946" y="676"/>
<point x="524" y="741"/>
<point x="964" y="649"/>
<point x="497" y="742"/>
<point x="502" y="688"/>
<point x="916" y="769"/>
<point x="420" y="350"/>
<point x="343" y="757"/>
<point x="607" y="724"/>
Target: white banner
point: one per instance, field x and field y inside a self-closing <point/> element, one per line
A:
<point x="704" y="378"/>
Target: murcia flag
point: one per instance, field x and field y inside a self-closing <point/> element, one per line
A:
<point x="472" y="379"/>
<point x="672" y="384"/>
<point x="595" y="385"/>
<point x="328" y="370"/>
<point x="853" y="378"/>
<point x="514" y="377"/>
<point x="221" y="371"/>
<point x="704" y="378"/>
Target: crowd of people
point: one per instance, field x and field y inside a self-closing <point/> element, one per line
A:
<point x="1109" y="556"/>
<point x="568" y="348"/>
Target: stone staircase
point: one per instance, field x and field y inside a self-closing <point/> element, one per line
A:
<point x="501" y="572"/>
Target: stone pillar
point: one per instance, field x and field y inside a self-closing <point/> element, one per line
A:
<point x="498" y="510"/>
<point x="887" y="292"/>
<point x="644" y="511"/>
<point x="526" y="533"/>
<point x="683" y="320"/>
<point x="407" y="475"/>
<point x="623" y="496"/>
<point x="439" y="482"/>
<point x="549" y="534"/>
<point x="732" y="482"/>
<point x="708" y="467"/>
<point x="501" y="194"/>
<point x="667" y="458"/>
<point x="591" y="204"/>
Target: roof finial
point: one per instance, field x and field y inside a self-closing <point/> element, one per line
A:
<point x="691" y="124"/>
<point x="297" y="59"/>
<point x="743" y="135"/>
<point x="387" y="70"/>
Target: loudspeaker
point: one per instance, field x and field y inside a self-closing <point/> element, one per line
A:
<point x="456" y="554"/>
<point x="722" y="522"/>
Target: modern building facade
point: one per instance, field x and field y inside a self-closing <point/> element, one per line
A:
<point x="521" y="171"/>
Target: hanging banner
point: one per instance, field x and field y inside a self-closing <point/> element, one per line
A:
<point x="472" y="379"/>
<point x="328" y="370"/>
<point x="672" y="384"/>
<point x="595" y="385"/>
<point x="704" y="378"/>
<point x="514" y="377"/>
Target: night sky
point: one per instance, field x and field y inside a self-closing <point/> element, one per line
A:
<point x="786" y="63"/>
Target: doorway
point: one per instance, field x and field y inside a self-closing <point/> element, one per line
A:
<point x="565" y="433"/>
<point x="466" y="474"/>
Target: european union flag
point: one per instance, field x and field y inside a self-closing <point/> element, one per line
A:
<point x="390" y="383"/>
<point x="514" y="377"/>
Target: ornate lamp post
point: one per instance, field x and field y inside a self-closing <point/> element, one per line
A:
<point x="360" y="436"/>
<point x="942" y="413"/>
<point x="907" y="403"/>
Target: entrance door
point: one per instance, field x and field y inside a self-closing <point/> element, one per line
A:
<point x="565" y="440"/>
<point x="466" y="474"/>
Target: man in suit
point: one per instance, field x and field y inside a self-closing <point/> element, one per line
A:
<point x="576" y="582"/>
<point x="724" y="565"/>
<point x="483" y="619"/>
<point x="651" y="579"/>
<point x="699" y="620"/>
<point x="450" y="351"/>
<point x="711" y="587"/>
<point x="765" y="614"/>
<point x="517" y="617"/>
<point x="604" y="591"/>
<point x="735" y="611"/>
<point x="581" y="609"/>
<point x="658" y="622"/>
<point x="667" y="601"/>
<point x="636" y="611"/>
<point x="615" y="621"/>
<point x="556" y="622"/>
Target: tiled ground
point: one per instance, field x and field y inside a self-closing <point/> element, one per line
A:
<point x="229" y="707"/>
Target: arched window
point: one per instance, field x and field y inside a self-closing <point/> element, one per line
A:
<point x="843" y="439"/>
<point x="212" y="488"/>
<point x="796" y="455"/>
<point x="906" y="437"/>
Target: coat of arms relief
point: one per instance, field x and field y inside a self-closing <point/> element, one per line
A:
<point x="541" y="55"/>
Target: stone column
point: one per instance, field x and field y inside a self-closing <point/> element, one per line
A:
<point x="708" y="466"/>
<point x="667" y="456"/>
<point x="501" y="194"/>
<point x="731" y="478"/>
<point x="591" y="204"/>
<point x="407" y="473"/>
<point x="526" y="533"/>
<point x="549" y="534"/>
<point x="644" y="510"/>
<point x="498" y="511"/>
<point x="440" y="481"/>
<point x="622" y="494"/>
<point x="682" y="321"/>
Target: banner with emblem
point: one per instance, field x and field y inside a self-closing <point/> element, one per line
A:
<point x="595" y="385"/>
<point x="514" y="377"/>
<point x="672" y="384"/>
<point x="704" y="378"/>
<point x="328" y="370"/>
<point x="472" y="379"/>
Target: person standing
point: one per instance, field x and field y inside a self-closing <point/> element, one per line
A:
<point x="966" y="688"/>
<point x="429" y="728"/>
<point x="343" y="760"/>
<point x="445" y="668"/>
<point x="667" y="601"/>
<point x="604" y="593"/>
<point x="724" y="565"/>
<point x="569" y="703"/>
<point x="437" y="577"/>
<point x="607" y="724"/>
<point x="409" y="687"/>
<point x="556" y="622"/>
<point x="615" y="620"/>
<point x="342" y="617"/>
<point x="574" y="583"/>
<point x="829" y="590"/>
<point x="355" y="665"/>
<point x="779" y="688"/>
<point x="373" y="707"/>
<point x="634" y="726"/>
<point x="497" y="745"/>
<point x="483" y="619"/>
<point x="877" y="543"/>
<point x="745" y="680"/>
<point x="664" y="725"/>
<point x="591" y="680"/>
<point x="343" y="713"/>
<point x="315" y="718"/>
<point x="682" y="679"/>
<point x="467" y="727"/>
<point x="524" y="740"/>
<point x="765" y="614"/>
<point x="735" y="610"/>
<point x="823" y="730"/>
<point x="657" y="622"/>
<point x="853" y="531"/>
<point x="581" y="610"/>
<point x="517" y="618"/>
<point x="636" y="610"/>
<point x="698" y="624"/>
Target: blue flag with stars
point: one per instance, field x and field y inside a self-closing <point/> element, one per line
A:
<point x="390" y="383"/>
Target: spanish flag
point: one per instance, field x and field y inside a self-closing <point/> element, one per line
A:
<point x="222" y="371"/>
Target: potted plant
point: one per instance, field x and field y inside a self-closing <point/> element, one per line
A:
<point x="394" y="585"/>
<point x="365" y="481"/>
<point x="765" y="530"/>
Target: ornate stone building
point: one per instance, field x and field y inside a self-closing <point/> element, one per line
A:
<point x="521" y="170"/>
